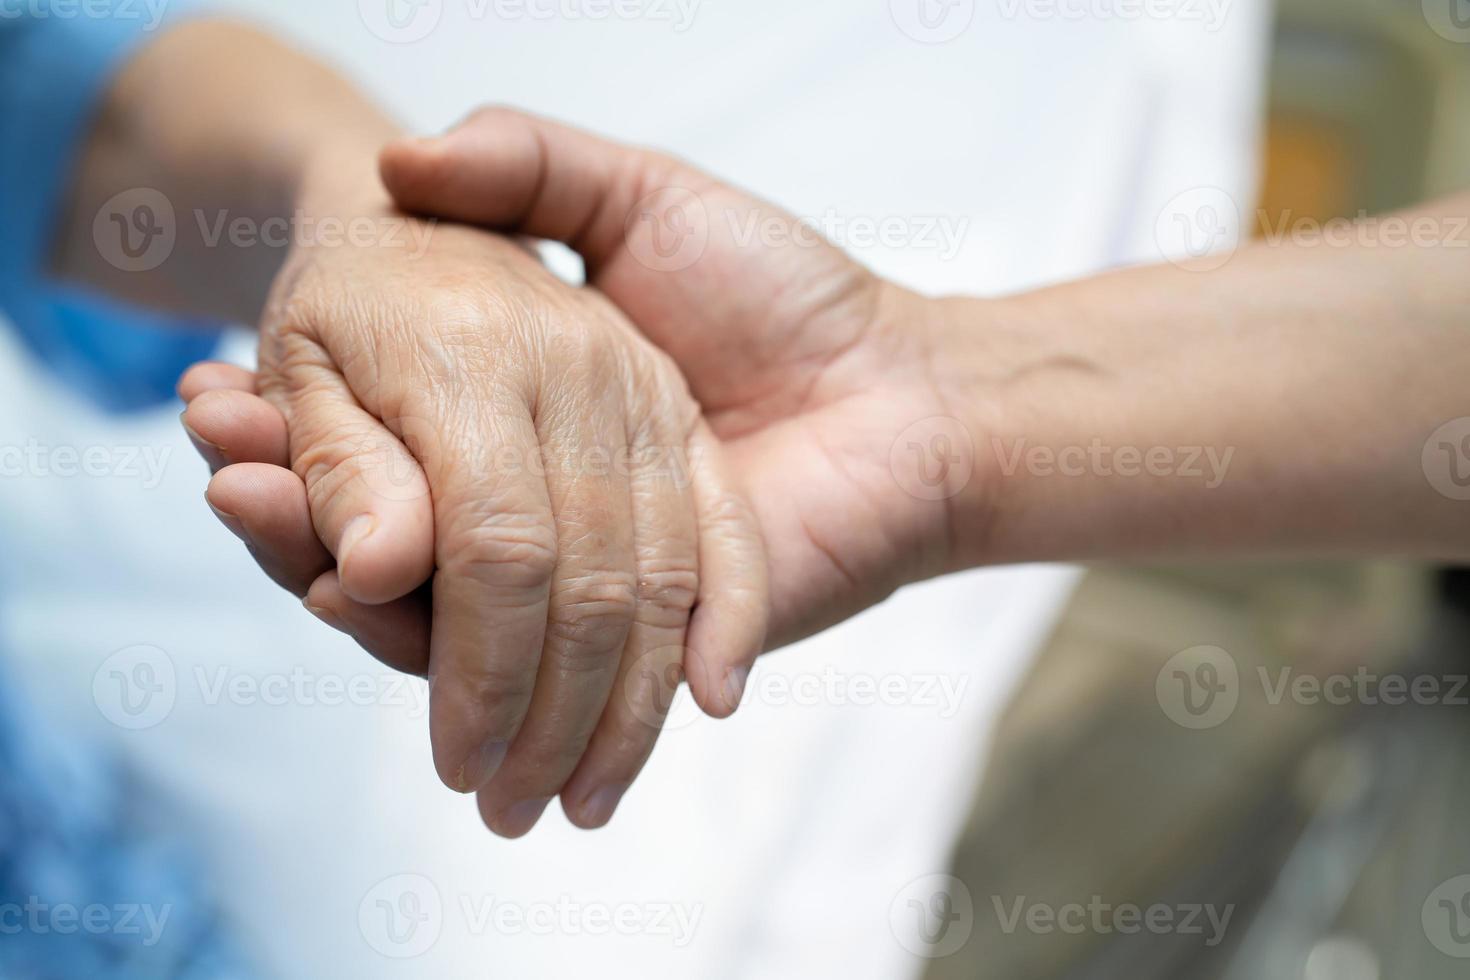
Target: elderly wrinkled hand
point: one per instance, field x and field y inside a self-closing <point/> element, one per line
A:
<point x="465" y="414"/>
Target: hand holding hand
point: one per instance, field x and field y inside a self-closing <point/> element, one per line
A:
<point x="808" y="370"/>
<point x="806" y="365"/>
<point x="465" y="413"/>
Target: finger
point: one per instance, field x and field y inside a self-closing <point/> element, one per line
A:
<point x="645" y="225"/>
<point x="666" y="535"/>
<point x="369" y="498"/>
<point x="728" y="629"/>
<point x="518" y="172"/>
<point x="496" y="543"/>
<point x="397" y="632"/>
<point x="228" y="425"/>
<point x="212" y="376"/>
<point x="592" y="604"/>
<point x="265" y="506"/>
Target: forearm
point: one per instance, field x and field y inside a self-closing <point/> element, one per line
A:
<point x="1280" y="405"/>
<point x="228" y="126"/>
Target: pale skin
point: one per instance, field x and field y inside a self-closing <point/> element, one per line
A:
<point x="1317" y="372"/>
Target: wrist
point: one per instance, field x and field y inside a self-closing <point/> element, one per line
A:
<point x="1030" y="394"/>
<point x="337" y="202"/>
<point x="340" y="178"/>
<point x="932" y="362"/>
<point x="971" y="373"/>
<point x="325" y="199"/>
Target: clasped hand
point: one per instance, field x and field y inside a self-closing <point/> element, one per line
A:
<point x="558" y="502"/>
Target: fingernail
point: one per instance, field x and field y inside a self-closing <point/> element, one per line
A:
<point x="598" y="808"/>
<point x="230" y="521"/>
<point x="213" y="455"/>
<point x="325" y="615"/>
<point x="733" y="689"/>
<point x="516" y="821"/>
<point x="480" y="766"/>
<point x="357" y="529"/>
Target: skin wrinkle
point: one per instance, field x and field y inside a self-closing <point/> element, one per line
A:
<point x="365" y="344"/>
<point x="793" y="397"/>
<point x="589" y="611"/>
<point x="333" y="470"/>
<point x="505" y="557"/>
<point x="850" y="580"/>
<point x="667" y="589"/>
<point x="878" y="507"/>
<point x="826" y="361"/>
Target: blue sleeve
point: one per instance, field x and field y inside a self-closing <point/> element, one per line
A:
<point x="56" y="61"/>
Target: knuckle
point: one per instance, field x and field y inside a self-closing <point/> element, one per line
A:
<point x="291" y="351"/>
<point x="728" y="513"/>
<point x="591" y="615"/>
<point x="510" y="551"/>
<point x="670" y="586"/>
<point x="668" y="412"/>
<point x="299" y="301"/>
<point x="458" y="330"/>
<point x="349" y="464"/>
<point x="499" y="694"/>
<point x="331" y="467"/>
<point x="455" y="312"/>
<point x="492" y="114"/>
<point x="628" y="740"/>
<point x="583" y="354"/>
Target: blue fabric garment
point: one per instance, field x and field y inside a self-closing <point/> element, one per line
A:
<point x="95" y="880"/>
<point x="56" y="58"/>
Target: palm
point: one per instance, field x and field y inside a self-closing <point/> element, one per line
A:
<point x="795" y="355"/>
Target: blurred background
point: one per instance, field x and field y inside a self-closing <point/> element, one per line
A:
<point x="1333" y="825"/>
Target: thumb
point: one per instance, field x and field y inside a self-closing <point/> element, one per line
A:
<point x="516" y="172"/>
<point x="671" y="246"/>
